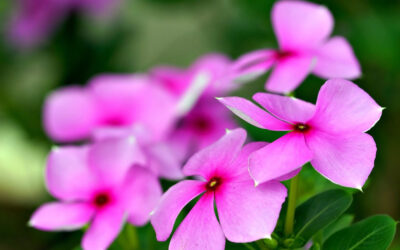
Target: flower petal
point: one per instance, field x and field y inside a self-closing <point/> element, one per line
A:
<point x="70" y="114"/>
<point x="104" y="229"/>
<point x="251" y="65"/>
<point x="253" y="114"/>
<point x="112" y="158"/>
<point x="61" y="216"/>
<point x="346" y="161"/>
<point x="300" y="24"/>
<point x="343" y="107"/>
<point x="336" y="59"/>
<point x="217" y="156"/>
<point x="249" y="213"/>
<point x="279" y="158"/>
<point x="141" y="193"/>
<point x="200" y="229"/>
<point x="289" y="73"/>
<point x="289" y="109"/>
<point x="68" y="175"/>
<point x="170" y="205"/>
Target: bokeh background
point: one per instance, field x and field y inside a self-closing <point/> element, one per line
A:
<point x="140" y="34"/>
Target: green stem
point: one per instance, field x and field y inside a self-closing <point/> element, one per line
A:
<point x="294" y="183"/>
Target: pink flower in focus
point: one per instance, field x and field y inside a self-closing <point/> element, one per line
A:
<point x="103" y="184"/>
<point x="302" y="30"/>
<point x="110" y="101"/>
<point x="34" y="20"/>
<point x="200" y="119"/>
<point x="245" y="213"/>
<point x="330" y="134"/>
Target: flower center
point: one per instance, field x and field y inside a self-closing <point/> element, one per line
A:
<point x="301" y="127"/>
<point x="213" y="184"/>
<point x="101" y="200"/>
<point x="281" y="55"/>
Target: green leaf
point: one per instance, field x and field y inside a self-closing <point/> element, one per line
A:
<point x="317" y="212"/>
<point x="373" y="233"/>
<point x="344" y="221"/>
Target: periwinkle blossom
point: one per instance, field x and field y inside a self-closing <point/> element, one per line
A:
<point x="200" y="119"/>
<point x="34" y="20"/>
<point x="103" y="184"/>
<point x="302" y="31"/>
<point x="109" y="101"/>
<point x="114" y="106"/>
<point x="330" y="134"/>
<point x="246" y="213"/>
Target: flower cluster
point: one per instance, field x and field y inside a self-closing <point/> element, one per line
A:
<point x="138" y="128"/>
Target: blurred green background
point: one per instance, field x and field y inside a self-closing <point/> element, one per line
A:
<point x="145" y="33"/>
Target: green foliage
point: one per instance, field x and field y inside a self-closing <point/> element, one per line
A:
<point x="373" y="233"/>
<point x="318" y="212"/>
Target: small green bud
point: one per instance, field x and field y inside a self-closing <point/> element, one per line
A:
<point x="271" y="243"/>
<point x="288" y="242"/>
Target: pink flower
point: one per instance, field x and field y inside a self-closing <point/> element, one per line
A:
<point x="302" y="30"/>
<point x="103" y="184"/>
<point x="34" y="20"/>
<point x="245" y="213"/>
<point x="200" y="119"/>
<point x="330" y="134"/>
<point x="110" y="101"/>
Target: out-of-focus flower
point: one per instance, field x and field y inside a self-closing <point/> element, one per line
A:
<point x="200" y="120"/>
<point x="103" y="184"/>
<point x="302" y="30"/>
<point x="246" y="213"/>
<point x="330" y="134"/>
<point x="110" y="101"/>
<point x="34" y="20"/>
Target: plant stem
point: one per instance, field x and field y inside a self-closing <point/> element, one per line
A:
<point x="294" y="183"/>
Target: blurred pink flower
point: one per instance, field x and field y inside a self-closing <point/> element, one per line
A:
<point x="200" y="119"/>
<point x="34" y="20"/>
<point x="110" y="101"/>
<point x="302" y="30"/>
<point x="245" y="213"/>
<point x="103" y="184"/>
<point x="330" y="134"/>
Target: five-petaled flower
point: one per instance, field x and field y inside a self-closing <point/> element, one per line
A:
<point x="302" y="31"/>
<point x="330" y="134"/>
<point x="246" y="213"/>
<point x="103" y="184"/>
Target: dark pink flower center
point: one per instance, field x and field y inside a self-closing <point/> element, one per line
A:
<point x="281" y="55"/>
<point x="213" y="184"/>
<point x="101" y="200"/>
<point x="201" y="124"/>
<point x="114" y="121"/>
<point x="301" y="127"/>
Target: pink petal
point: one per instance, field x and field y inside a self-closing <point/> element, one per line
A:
<point x="216" y="157"/>
<point x="336" y="59"/>
<point x="279" y="158"/>
<point x="289" y="109"/>
<point x="70" y="114"/>
<point x="104" y="229"/>
<point x="249" y="213"/>
<point x="252" y="114"/>
<point x="68" y="176"/>
<point x="251" y="65"/>
<point x="170" y="205"/>
<point x="112" y="158"/>
<point x="301" y="25"/>
<point x="163" y="160"/>
<point x="289" y="73"/>
<point x="200" y="229"/>
<point x="141" y="193"/>
<point x="343" y="107"/>
<point x="239" y="168"/>
<point x="124" y="101"/>
<point x="61" y="216"/>
<point x="175" y="80"/>
<point x="346" y="161"/>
